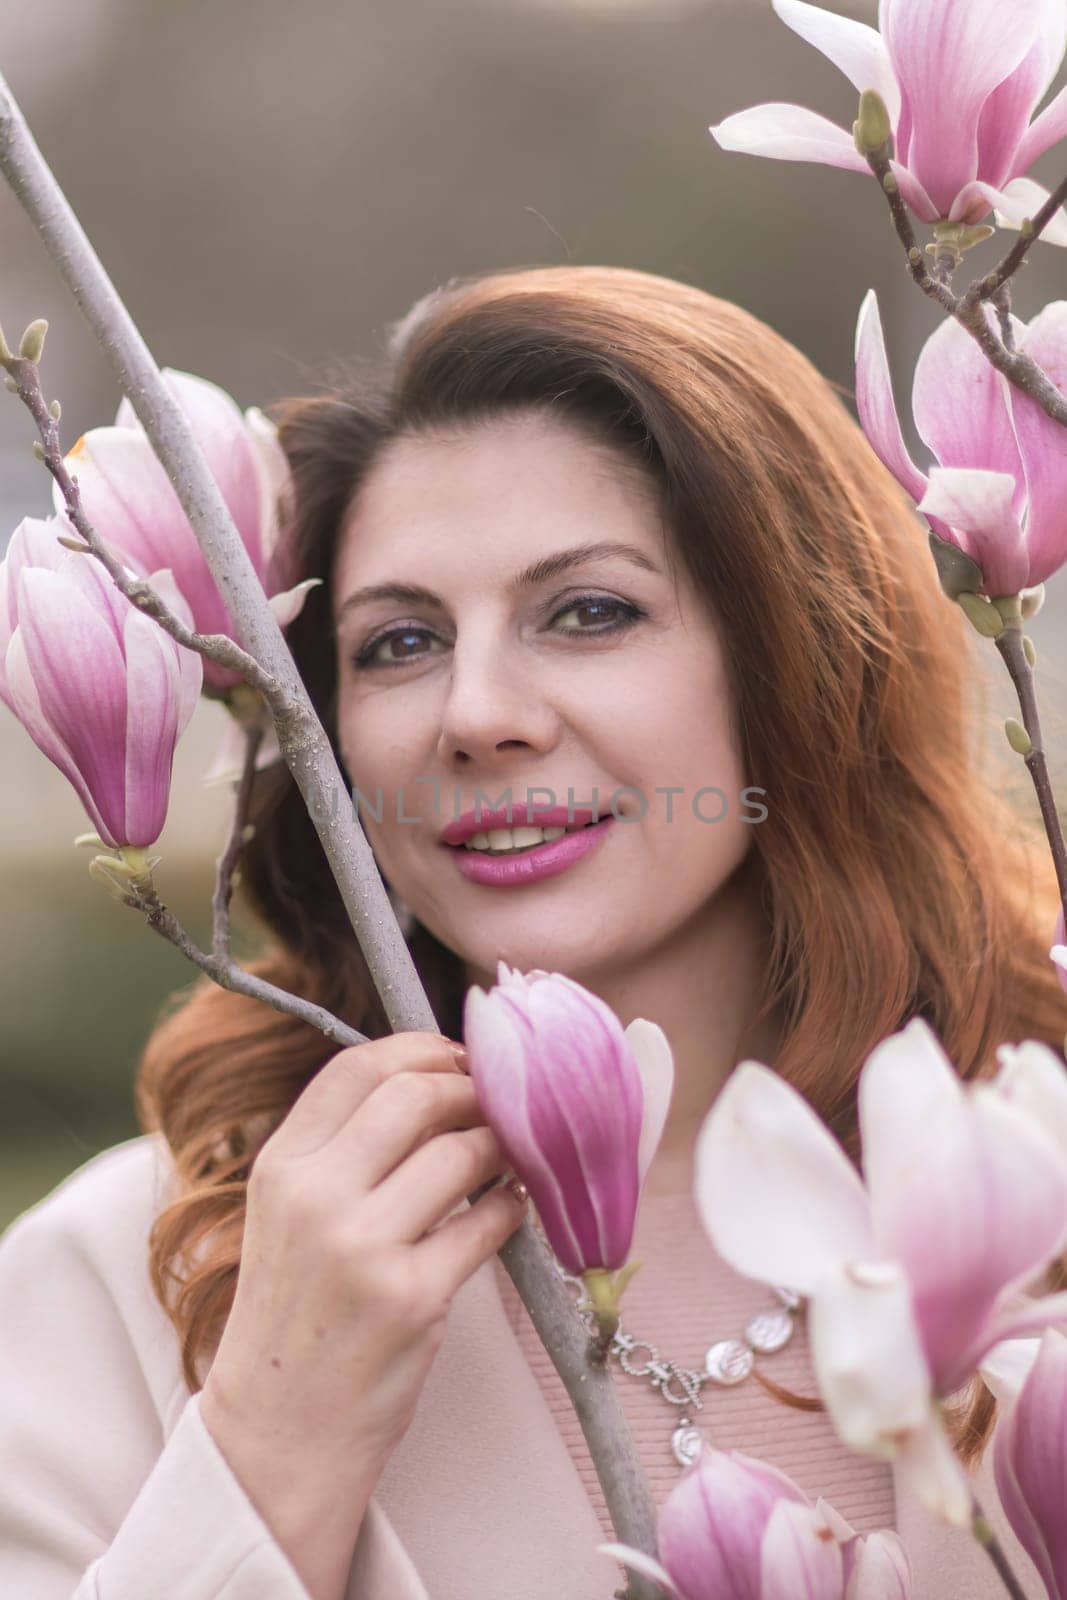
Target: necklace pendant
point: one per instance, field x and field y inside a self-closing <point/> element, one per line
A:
<point x="687" y="1441"/>
<point x="768" y="1331"/>
<point x="729" y="1362"/>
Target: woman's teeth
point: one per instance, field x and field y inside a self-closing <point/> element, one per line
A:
<point x="509" y="841"/>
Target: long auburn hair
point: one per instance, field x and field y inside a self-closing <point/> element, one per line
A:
<point x="897" y="880"/>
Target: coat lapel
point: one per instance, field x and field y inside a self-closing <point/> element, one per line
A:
<point x="481" y="1495"/>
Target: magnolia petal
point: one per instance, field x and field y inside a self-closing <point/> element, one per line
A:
<point x="784" y="132"/>
<point x="1033" y="1078"/>
<point x="655" y="1063"/>
<point x="778" y="1197"/>
<point x="218" y="425"/>
<point x="501" y="1091"/>
<point x="975" y="1206"/>
<point x="905" y="1080"/>
<point x="1006" y="114"/>
<point x="153" y="696"/>
<point x="190" y="663"/>
<point x="131" y="503"/>
<point x="34" y="543"/>
<point x="1042" y="446"/>
<point x="1022" y="198"/>
<point x="974" y="46"/>
<point x="1021" y="1519"/>
<point x="1007" y="1366"/>
<point x="961" y="407"/>
<point x="1059" y="956"/>
<point x="868" y="1357"/>
<point x="875" y="403"/>
<point x="645" y="1565"/>
<point x="928" y="1466"/>
<point x="227" y="764"/>
<point x="800" y="1559"/>
<point x="63" y="630"/>
<point x="1015" y="1316"/>
<point x="288" y="605"/>
<point x="1035" y="1445"/>
<point x="712" y="1524"/>
<point x="1046" y="130"/>
<point x="839" y="1526"/>
<point x="587" y="1108"/>
<point x="26" y="704"/>
<point x="855" y="47"/>
<point x="881" y="1569"/>
<point x="980" y="505"/>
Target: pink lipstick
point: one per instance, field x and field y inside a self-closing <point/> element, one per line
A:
<point x="539" y="861"/>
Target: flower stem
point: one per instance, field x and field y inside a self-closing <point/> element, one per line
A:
<point x="983" y="1532"/>
<point x="1010" y="645"/>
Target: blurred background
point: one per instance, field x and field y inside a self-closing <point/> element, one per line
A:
<point x="269" y="186"/>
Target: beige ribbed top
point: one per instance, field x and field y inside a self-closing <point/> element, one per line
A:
<point x="684" y="1298"/>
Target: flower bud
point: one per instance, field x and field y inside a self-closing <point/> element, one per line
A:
<point x="872" y="129"/>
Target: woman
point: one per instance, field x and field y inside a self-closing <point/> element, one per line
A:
<point x="329" y="1389"/>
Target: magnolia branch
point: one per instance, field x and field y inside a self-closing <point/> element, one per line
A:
<point x="1012" y="647"/>
<point x="995" y="280"/>
<point x="306" y="750"/>
<point x="969" y="308"/>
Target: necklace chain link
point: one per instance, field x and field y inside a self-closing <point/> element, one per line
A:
<point x="727" y="1362"/>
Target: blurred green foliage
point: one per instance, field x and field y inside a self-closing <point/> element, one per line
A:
<point x="84" y="979"/>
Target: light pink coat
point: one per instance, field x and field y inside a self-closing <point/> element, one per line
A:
<point x="111" y="1487"/>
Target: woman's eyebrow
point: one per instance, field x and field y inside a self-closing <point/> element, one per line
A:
<point x="541" y="571"/>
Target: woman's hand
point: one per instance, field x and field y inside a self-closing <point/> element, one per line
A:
<point x="348" y="1269"/>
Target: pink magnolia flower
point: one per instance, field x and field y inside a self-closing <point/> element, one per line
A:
<point x="999" y="489"/>
<point x="960" y="88"/>
<point x="1059" y="950"/>
<point x="102" y="691"/>
<point x="131" y="502"/>
<point x="916" y="1271"/>
<point x="1029" y="1378"/>
<point x="734" y="1528"/>
<point x="577" y="1102"/>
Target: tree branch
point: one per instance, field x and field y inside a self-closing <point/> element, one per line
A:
<point x="307" y="752"/>
<point x="969" y="308"/>
<point x="1015" y="257"/>
<point x="1013" y="650"/>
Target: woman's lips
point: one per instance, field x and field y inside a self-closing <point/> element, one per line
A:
<point x="541" y="861"/>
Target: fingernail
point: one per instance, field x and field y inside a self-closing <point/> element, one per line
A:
<point x="518" y="1189"/>
<point x="459" y="1053"/>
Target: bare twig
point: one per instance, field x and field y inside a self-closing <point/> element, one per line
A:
<point x="1001" y="301"/>
<point x="1012" y="649"/>
<point x="983" y="1532"/>
<point x="216" y="646"/>
<point x="227" y="862"/>
<point x="230" y="975"/>
<point x="1016" y="256"/>
<point x="969" y="308"/>
<point x="306" y="750"/>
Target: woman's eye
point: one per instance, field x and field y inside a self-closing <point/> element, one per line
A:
<point x="370" y="655"/>
<point x="378" y="653"/>
<point x="625" y="613"/>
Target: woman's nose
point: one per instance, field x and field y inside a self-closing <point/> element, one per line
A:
<point x="493" y="703"/>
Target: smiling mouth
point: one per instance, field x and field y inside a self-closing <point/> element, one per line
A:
<point x="543" y="836"/>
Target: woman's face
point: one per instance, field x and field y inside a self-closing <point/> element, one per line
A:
<point x="600" y="677"/>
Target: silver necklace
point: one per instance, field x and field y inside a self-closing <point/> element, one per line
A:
<point x="726" y="1363"/>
